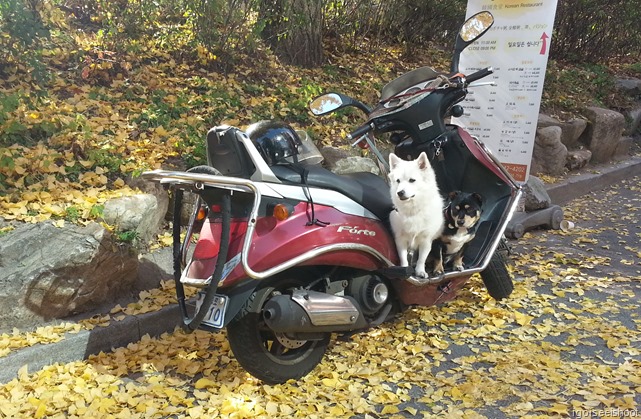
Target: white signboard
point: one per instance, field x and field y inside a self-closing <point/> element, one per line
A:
<point x="505" y="116"/>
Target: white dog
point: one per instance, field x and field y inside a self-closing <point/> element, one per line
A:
<point x="417" y="218"/>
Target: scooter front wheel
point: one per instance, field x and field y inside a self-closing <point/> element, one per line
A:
<point x="496" y="277"/>
<point x="272" y="357"/>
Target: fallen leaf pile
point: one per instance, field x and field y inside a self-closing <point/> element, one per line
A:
<point x="148" y="301"/>
<point x="454" y="360"/>
<point x="42" y="335"/>
<point x="567" y="340"/>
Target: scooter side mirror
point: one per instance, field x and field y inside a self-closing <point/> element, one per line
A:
<point x="331" y="102"/>
<point x="476" y="26"/>
<point x="470" y="31"/>
<point x="326" y="103"/>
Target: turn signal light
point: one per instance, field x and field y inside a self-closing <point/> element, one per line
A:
<point x="202" y="213"/>
<point x="281" y="212"/>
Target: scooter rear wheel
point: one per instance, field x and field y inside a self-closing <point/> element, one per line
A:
<point x="270" y="357"/>
<point x="497" y="278"/>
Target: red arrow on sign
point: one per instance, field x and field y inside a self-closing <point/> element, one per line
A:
<point x="544" y="38"/>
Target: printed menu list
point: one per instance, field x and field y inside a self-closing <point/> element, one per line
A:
<point x="505" y="116"/>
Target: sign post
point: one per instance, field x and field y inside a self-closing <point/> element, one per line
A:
<point x="505" y="116"/>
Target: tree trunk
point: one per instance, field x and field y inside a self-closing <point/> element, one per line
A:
<point x="293" y="29"/>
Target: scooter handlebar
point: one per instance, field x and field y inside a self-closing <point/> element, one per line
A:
<point x="360" y="131"/>
<point x="477" y="75"/>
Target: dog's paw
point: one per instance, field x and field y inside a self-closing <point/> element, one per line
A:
<point x="420" y="273"/>
<point x="438" y="272"/>
<point x="459" y="267"/>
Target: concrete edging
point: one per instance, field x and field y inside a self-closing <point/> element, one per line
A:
<point x="79" y="346"/>
<point x="601" y="177"/>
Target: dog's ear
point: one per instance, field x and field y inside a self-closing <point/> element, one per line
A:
<point x="478" y="197"/>
<point x="423" y="162"/>
<point x="393" y="160"/>
<point x="453" y="195"/>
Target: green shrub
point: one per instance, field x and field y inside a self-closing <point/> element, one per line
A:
<point x="128" y="236"/>
<point x="21" y="21"/>
<point x="596" y="31"/>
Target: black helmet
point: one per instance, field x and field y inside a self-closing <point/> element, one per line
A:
<point x="275" y="141"/>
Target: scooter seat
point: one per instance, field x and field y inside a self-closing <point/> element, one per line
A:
<point x="369" y="190"/>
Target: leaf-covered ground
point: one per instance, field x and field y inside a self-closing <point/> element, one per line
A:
<point x="567" y="339"/>
<point x="104" y="113"/>
<point x="102" y="117"/>
<point x="567" y="342"/>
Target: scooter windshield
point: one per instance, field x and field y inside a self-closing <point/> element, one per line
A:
<point x="406" y="81"/>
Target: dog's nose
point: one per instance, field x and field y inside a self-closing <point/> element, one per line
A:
<point x="401" y="194"/>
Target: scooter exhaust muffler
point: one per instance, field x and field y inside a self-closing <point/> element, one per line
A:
<point x="312" y="311"/>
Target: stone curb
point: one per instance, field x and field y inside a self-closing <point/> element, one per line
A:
<point x="79" y="346"/>
<point x="598" y="178"/>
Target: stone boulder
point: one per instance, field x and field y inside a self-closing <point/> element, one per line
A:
<point x="623" y="147"/>
<point x="633" y="118"/>
<point x="578" y="159"/>
<point x="535" y="197"/>
<point x="549" y="153"/>
<point x="570" y="130"/>
<point x="331" y="155"/>
<point x="630" y="86"/>
<point x="142" y="213"/>
<point x="49" y="273"/>
<point x="355" y="165"/>
<point x="603" y="134"/>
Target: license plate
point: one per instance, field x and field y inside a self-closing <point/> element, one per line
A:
<point x="215" y="316"/>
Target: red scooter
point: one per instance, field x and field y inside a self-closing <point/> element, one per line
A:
<point x="287" y="253"/>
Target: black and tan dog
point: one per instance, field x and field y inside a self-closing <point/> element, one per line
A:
<point x="461" y="217"/>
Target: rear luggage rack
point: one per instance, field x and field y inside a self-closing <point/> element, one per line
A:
<point x="198" y="181"/>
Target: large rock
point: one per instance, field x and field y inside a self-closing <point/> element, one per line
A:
<point x="603" y="134"/>
<point x="546" y="121"/>
<point x="633" y="119"/>
<point x="355" y="165"/>
<point x="535" y="195"/>
<point x="331" y="155"/>
<point x="142" y="213"/>
<point x="549" y="153"/>
<point x="48" y="273"/>
<point x="577" y="159"/>
<point x="153" y="188"/>
<point x="570" y="130"/>
<point x="630" y="86"/>
<point x="623" y="147"/>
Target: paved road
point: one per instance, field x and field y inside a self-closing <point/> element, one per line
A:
<point x="566" y="343"/>
<point x="580" y="291"/>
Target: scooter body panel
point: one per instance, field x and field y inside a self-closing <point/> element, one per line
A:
<point x="275" y="242"/>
